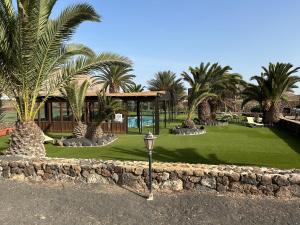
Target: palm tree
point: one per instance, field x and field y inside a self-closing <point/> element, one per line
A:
<point x="227" y="92"/>
<point x="75" y="94"/>
<point x="107" y="107"/>
<point x="272" y="86"/>
<point x="35" y="58"/>
<point x="135" y="88"/>
<point x="167" y="81"/>
<point x="195" y="97"/>
<point x="213" y="79"/>
<point x="115" y="78"/>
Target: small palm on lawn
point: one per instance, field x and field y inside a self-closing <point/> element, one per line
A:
<point x="107" y="107"/>
<point x="115" y="78"/>
<point x="75" y="94"/>
<point x="272" y="86"/>
<point x="36" y="59"/>
<point x="195" y="97"/>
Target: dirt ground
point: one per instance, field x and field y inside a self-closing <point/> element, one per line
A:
<point x="27" y="203"/>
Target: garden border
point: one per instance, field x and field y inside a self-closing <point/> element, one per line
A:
<point x="166" y="176"/>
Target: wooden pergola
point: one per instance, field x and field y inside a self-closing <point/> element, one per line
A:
<point x="63" y="121"/>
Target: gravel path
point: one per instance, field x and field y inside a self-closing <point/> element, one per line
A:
<point x="24" y="203"/>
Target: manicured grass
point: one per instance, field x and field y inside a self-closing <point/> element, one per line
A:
<point x="233" y="144"/>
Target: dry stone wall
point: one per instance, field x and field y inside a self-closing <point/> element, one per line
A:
<point x="166" y="176"/>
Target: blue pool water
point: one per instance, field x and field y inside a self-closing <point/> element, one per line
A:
<point x="146" y="121"/>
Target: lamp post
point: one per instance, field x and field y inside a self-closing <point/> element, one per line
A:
<point x="149" y="142"/>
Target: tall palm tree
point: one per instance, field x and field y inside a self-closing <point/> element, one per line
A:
<point x="167" y="81"/>
<point x="272" y="86"/>
<point x="35" y="58"/>
<point x="115" y="77"/>
<point x="135" y="88"/>
<point x="212" y="78"/>
<point x="75" y="94"/>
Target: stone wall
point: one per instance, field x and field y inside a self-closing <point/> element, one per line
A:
<point x="166" y="176"/>
<point x="290" y="125"/>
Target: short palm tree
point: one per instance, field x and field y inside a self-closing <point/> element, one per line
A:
<point x="167" y="81"/>
<point x="107" y="107"/>
<point x="115" y="78"/>
<point x="214" y="79"/>
<point x="195" y="97"/>
<point x="272" y="86"/>
<point x="75" y="94"/>
<point x="35" y="58"/>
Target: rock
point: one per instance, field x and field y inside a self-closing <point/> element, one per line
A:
<point x="15" y="170"/>
<point x="158" y="178"/>
<point x="223" y="180"/>
<point x="295" y="190"/>
<point x="29" y="171"/>
<point x="281" y="180"/>
<point x="47" y="176"/>
<point x="6" y="172"/>
<point x="18" y="177"/>
<point x="165" y="176"/>
<point x="283" y="192"/>
<point x="266" y="179"/>
<point x="96" y="179"/>
<point x="266" y="189"/>
<point x="173" y="176"/>
<point x="138" y="171"/>
<point x="198" y="173"/>
<point x="174" y="185"/>
<point x="195" y="179"/>
<point x="188" y="185"/>
<point x="295" y="179"/>
<point x="128" y="179"/>
<point x="233" y="176"/>
<point x="105" y="173"/>
<point x="115" y="177"/>
<point x="248" y="178"/>
<point x="40" y="172"/>
<point x="209" y="182"/>
<point x="155" y="185"/>
<point x="85" y="173"/>
<point x="119" y="169"/>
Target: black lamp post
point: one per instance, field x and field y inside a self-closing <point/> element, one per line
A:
<point x="149" y="142"/>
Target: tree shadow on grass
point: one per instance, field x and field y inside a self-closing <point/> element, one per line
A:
<point x="186" y="155"/>
<point x="292" y="140"/>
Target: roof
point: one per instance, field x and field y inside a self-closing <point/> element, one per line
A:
<point x="138" y="94"/>
<point x="93" y="90"/>
<point x="293" y="98"/>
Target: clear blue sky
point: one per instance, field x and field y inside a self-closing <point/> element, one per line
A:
<point x="175" y="34"/>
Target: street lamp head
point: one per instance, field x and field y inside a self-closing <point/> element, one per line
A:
<point x="149" y="141"/>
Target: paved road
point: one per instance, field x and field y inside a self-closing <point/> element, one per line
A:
<point x="24" y="203"/>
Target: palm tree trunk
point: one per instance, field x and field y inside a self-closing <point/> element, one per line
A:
<point x="271" y="115"/>
<point x="80" y="130"/>
<point x="204" y="111"/>
<point x="94" y="131"/>
<point x="27" y="140"/>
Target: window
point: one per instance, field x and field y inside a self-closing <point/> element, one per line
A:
<point x="66" y="111"/>
<point x="55" y="111"/>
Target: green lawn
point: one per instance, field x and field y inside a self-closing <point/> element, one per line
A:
<point x="233" y="144"/>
